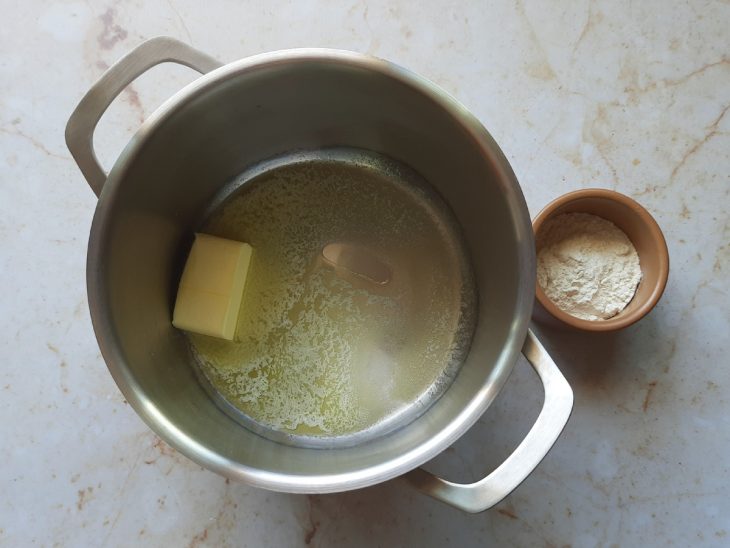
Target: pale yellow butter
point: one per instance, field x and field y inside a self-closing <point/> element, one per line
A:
<point x="211" y="287"/>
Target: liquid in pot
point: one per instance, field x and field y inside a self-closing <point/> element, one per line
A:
<point x="319" y="354"/>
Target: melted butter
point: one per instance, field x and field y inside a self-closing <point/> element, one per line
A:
<point x="321" y="354"/>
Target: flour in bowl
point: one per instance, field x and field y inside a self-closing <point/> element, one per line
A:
<point x="586" y="265"/>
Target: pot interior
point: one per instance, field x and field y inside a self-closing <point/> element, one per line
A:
<point x="326" y="355"/>
<point x="164" y="183"/>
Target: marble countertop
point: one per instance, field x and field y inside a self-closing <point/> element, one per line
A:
<point x="632" y="96"/>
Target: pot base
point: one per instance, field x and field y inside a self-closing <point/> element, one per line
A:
<point x="326" y="357"/>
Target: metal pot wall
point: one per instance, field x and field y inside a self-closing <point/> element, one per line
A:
<point x="243" y="113"/>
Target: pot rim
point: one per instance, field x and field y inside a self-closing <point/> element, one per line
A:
<point x="321" y="483"/>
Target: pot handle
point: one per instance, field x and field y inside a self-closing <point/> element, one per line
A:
<point x="83" y="121"/>
<point x="485" y="493"/>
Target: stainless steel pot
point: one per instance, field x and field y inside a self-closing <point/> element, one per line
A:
<point x="245" y="112"/>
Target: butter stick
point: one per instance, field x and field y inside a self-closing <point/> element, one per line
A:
<point x="211" y="287"/>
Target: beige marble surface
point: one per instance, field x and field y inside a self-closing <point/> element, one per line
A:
<point x="631" y="95"/>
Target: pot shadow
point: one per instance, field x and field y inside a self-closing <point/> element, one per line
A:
<point x="586" y="359"/>
<point x="611" y="362"/>
<point x="389" y="514"/>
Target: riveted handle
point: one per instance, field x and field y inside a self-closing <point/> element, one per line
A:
<point x="83" y="120"/>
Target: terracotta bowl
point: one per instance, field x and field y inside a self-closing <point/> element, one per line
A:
<point x="644" y="233"/>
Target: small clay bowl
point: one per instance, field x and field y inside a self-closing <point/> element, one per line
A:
<point x="644" y="233"/>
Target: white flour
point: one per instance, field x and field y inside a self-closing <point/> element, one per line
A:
<point x="586" y="265"/>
